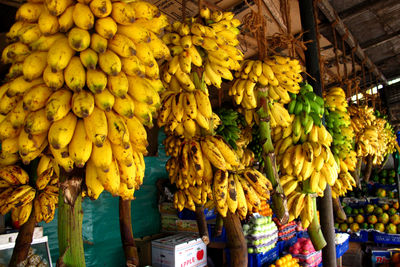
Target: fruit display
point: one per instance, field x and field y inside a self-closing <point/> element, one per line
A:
<point x="261" y="234"/>
<point x="338" y="123"/>
<point x="286" y="231"/>
<point x="265" y="209"/>
<point x="305" y="252"/>
<point x="382" y="217"/>
<point x="287" y="261"/>
<point x="83" y="84"/>
<point x="374" y="136"/>
<point x="18" y="196"/>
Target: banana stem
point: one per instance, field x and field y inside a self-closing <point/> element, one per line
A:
<point x="357" y="172"/>
<point x="202" y="224"/>
<point x="24" y="240"/>
<point x="279" y="201"/>
<point x="338" y="209"/>
<point x="314" y="230"/>
<point x="125" y="227"/>
<point x="368" y="168"/>
<point x="70" y="218"/>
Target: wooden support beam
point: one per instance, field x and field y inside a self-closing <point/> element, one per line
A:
<point x="380" y="40"/>
<point x="330" y="13"/>
<point x="365" y="6"/>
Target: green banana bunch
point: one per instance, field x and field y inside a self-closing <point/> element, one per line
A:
<point x="230" y="126"/>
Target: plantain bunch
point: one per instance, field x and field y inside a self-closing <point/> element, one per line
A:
<point x="83" y="84"/>
<point x="207" y="42"/>
<point x="21" y="198"/>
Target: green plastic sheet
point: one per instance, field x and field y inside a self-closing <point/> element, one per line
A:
<point x="101" y="235"/>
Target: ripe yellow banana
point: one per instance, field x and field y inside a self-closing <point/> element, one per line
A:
<point x="122" y="13"/>
<point x="58" y="105"/>
<point x="48" y="23"/>
<point x="83" y="16"/>
<point x="118" y="85"/>
<point x="66" y="20"/>
<point x="104" y="100"/>
<point x="111" y="179"/>
<point x="79" y="39"/>
<point x="106" y="27"/>
<point x="89" y="58"/>
<point x="75" y="74"/>
<point x="54" y="80"/>
<point x="124" y="106"/>
<point x="96" y="80"/>
<point x="80" y="147"/>
<point x="110" y="62"/>
<point x="36" y="122"/>
<point x="34" y="65"/>
<point x="94" y="186"/>
<point x="59" y="55"/>
<point x="82" y="103"/>
<point x="61" y="131"/>
<point x="96" y="127"/>
<point x="98" y="43"/>
<point x="102" y="156"/>
<point x="101" y="8"/>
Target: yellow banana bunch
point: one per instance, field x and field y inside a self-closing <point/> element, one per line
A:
<point x="185" y="113"/>
<point x="111" y="93"/>
<point x="280" y="74"/>
<point x="218" y="39"/>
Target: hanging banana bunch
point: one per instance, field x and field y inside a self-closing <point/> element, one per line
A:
<point x="19" y="197"/>
<point x="207" y="41"/>
<point x="338" y="123"/>
<point x="83" y="84"/>
<point x="303" y="154"/>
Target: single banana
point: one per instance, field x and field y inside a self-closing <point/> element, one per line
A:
<point x="75" y="74"/>
<point x="96" y="127"/>
<point x="61" y="131"/>
<point x="58" y="105"/>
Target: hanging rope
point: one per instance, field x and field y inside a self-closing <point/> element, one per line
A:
<point x="363" y="74"/>
<point x="335" y="49"/>
<point x="318" y="35"/>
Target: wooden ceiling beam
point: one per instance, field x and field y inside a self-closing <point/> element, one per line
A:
<point x="364" y="6"/>
<point x="330" y="13"/>
<point x="380" y="40"/>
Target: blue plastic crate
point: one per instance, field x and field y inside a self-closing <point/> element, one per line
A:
<point x="285" y="244"/>
<point x="359" y="237"/>
<point x="187" y="214"/>
<point x="380" y="257"/>
<point x="382" y="238"/>
<point x="342" y="248"/>
<point x="211" y="230"/>
<point x="263" y="259"/>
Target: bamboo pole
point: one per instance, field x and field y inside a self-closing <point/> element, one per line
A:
<point x="125" y="226"/>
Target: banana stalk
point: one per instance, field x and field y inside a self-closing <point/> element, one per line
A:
<point x="70" y="216"/>
<point x="279" y="201"/>
<point x="202" y="224"/>
<point x="357" y="172"/>
<point x="338" y="209"/>
<point x="368" y="168"/>
<point x="125" y="226"/>
<point x="314" y="230"/>
<point x="23" y="242"/>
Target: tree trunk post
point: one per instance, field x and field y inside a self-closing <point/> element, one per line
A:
<point x="125" y="226"/>
<point x="202" y="224"/>
<point x="24" y="240"/>
<point x="236" y="241"/>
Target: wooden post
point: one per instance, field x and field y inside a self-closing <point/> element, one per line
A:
<point x="236" y="241"/>
<point x="70" y="216"/>
<point x="24" y="240"/>
<point x="308" y="22"/>
<point x="125" y="226"/>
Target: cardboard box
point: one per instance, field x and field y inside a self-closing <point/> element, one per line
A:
<point x="143" y="246"/>
<point x="180" y="250"/>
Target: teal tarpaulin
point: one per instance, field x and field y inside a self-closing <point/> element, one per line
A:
<point x="101" y="235"/>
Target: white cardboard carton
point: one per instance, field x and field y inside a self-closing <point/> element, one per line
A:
<point x="180" y="250"/>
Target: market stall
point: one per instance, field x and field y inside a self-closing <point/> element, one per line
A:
<point x="196" y="133"/>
